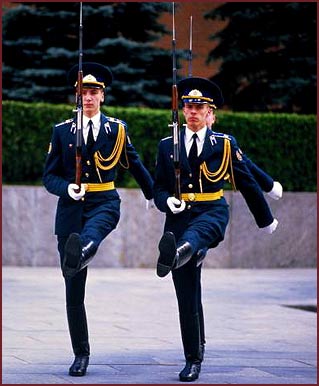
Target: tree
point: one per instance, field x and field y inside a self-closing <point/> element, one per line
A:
<point x="268" y="53"/>
<point x="38" y="54"/>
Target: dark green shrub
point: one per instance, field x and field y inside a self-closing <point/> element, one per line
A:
<point x="284" y="145"/>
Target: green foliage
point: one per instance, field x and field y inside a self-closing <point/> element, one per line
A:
<point x="268" y="54"/>
<point x="284" y="145"/>
<point x="38" y="54"/>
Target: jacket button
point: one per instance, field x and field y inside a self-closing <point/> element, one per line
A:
<point x="190" y="186"/>
<point x="189" y="206"/>
<point x="87" y="175"/>
<point x="88" y="163"/>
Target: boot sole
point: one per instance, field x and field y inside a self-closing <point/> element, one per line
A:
<point x="72" y="254"/>
<point x="167" y="248"/>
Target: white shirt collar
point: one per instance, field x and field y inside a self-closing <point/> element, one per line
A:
<point x="200" y="140"/>
<point x="189" y="134"/>
<point x="96" y="119"/>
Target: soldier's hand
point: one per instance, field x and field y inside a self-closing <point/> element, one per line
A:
<point x="175" y="205"/>
<point x="271" y="228"/>
<point x="72" y="188"/>
<point x="276" y="191"/>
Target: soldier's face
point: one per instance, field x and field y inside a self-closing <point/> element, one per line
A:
<point x="92" y="99"/>
<point x="195" y="115"/>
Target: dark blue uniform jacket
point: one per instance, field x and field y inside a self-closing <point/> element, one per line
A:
<point x="59" y="172"/>
<point x="204" y="223"/>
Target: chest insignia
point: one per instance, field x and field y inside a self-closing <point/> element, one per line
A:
<point x="107" y="127"/>
<point x="213" y="139"/>
<point x="73" y="128"/>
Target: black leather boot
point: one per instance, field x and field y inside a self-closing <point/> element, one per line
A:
<point x="193" y="351"/>
<point x="79" y="366"/>
<point x="77" y="322"/>
<point x="183" y="254"/>
<point x="171" y="256"/>
<point x="201" y="351"/>
<point x="190" y="372"/>
<point x="76" y="255"/>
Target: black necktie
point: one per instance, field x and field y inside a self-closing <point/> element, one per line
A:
<point x="194" y="163"/>
<point x="192" y="156"/>
<point x="90" y="140"/>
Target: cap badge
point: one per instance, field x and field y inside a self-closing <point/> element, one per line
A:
<point x="195" y="93"/>
<point x="89" y="78"/>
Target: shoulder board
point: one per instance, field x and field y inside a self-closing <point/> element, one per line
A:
<point x="222" y="135"/>
<point x="64" y="122"/>
<point x="116" y="120"/>
<point x="166" y="138"/>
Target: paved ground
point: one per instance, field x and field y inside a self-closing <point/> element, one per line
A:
<point x="257" y="331"/>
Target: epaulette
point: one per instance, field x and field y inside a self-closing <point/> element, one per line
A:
<point x="112" y="119"/>
<point x="222" y="135"/>
<point x="64" y="122"/>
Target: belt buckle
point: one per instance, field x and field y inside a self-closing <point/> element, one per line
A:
<point x="191" y="196"/>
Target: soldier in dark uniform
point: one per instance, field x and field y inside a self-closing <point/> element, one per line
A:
<point x="265" y="181"/>
<point x="198" y="221"/>
<point x="86" y="215"/>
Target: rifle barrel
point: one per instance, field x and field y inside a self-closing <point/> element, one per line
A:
<point x="79" y="108"/>
<point x="175" y="119"/>
<point x="190" y="53"/>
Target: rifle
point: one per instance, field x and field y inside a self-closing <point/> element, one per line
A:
<point x="175" y="120"/>
<point x="79" y="109"/>
<point x="190" y="52"/>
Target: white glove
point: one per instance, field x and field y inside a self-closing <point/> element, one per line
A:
<point x="271" y="228"/>
<point x="276" y="191"/>
<point x="175" y="205"/>
<point x="73" y="194"/>
<point x="150" y="204"/>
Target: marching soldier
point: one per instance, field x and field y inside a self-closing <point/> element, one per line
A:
<point x="265" y="181"/>
<point x="86" y="214"/>
<point x="199" y="219"/>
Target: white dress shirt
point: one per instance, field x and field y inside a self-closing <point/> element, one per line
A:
<point x="199" y="140"/>
<point x="96" y="119"/>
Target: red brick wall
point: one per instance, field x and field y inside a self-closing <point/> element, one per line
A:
<point x="202" y="29"/>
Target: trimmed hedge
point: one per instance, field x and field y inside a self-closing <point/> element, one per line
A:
<point x="284" y="145"/>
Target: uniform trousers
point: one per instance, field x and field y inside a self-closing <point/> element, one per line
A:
<point x="187" y="283"/>
<point x="75" y="307"/>
<point x="98" y="220"/>
<point x="203" y="226"/>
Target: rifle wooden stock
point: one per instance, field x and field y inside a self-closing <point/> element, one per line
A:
<point x="79" y="129"/>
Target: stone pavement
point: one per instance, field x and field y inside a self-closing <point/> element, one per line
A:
<point x="257" y="329"/>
